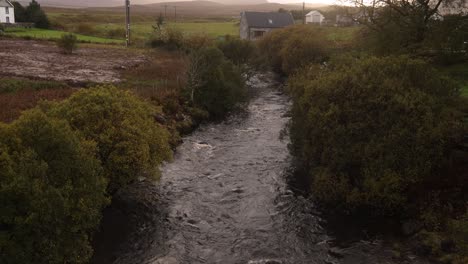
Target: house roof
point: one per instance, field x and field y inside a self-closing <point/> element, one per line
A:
<point x="313" y="12"/>
<point x="268" y="19"/>
<point x="5" y="3"/>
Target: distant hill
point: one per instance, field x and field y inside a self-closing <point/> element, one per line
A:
<point x="241" y="2"/>
<point x="194" y="9"/>
<point x="185" y="9"/>
<point x="114" y="3"/>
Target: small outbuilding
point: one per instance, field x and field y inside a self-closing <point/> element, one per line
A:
<point x="7" y="12"/>
<point x="253" y="25"/>
<point x="314" y="17"/>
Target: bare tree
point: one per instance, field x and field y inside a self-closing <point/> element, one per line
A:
<point x="413" y="14"/>
<point x="195" y="73"/>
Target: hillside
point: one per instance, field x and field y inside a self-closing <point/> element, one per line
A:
<point x="114" y="3"/>
<point x="191" y="9"/>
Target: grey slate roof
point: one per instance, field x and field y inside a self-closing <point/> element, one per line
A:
<point x="268" y="20"/>
<point x="5" y="3"/>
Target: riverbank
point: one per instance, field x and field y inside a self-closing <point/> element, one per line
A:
<point x="226" y="199"/>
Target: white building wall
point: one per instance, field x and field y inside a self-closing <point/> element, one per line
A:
<point x="7" y="16"/>
<point x="314" y="17"/>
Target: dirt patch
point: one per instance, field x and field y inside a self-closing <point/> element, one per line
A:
<point x="42" y="59"/>
<point x="12" y="104"/>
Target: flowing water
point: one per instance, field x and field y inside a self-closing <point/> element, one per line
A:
<point x="228" y="200"/>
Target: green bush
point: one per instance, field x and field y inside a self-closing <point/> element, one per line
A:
<point x="85" y="28"/>
<point x="116" y="33"/>
<point x="214" y="83"/>
<point x="292" y="48"/>
<point x="130" y="143"/>
<point x="68" y="43"/>
<point x="169" y="38"/>
<point x="375" y="133"/>
<point x="197" y="41"/>
<point x="52" y="191"/>
<point x="237" y="50"/>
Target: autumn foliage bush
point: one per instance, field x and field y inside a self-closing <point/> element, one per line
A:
<point x="52" y="191"/>
<point x="128" y="140"/>
<point x="288" y="50"/>
<point x="376" y="134"/>
<point x="61" y="161"/>
<point x="214" y="83"/>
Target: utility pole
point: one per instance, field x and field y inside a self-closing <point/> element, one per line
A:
<point x="165" y="11"/>
<point x="175" y="13"/>
<point x="127" y="22"/>
<point x="303" y="13"/>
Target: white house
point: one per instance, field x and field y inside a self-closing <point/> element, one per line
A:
<point x="7" y="12"/>
<point x="314" y="17"/>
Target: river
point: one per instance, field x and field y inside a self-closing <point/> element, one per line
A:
<point x="228" y="200"/>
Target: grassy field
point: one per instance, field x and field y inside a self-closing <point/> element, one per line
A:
<point x="143" y="30"/>
<point x="37" y="33"/>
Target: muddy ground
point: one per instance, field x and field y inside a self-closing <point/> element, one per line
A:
<point x="43" y="60"/>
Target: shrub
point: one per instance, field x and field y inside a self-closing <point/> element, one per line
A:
<point x="292" y="48"/>
<point x="169" y="38"/>
<point x="198" y="41"/>
<point x="129" y="141"/>
<point x="237" y="50"/>
<point x="85" y="28"/>
<point x="52" y="191"/>
<point x="68" y="43"/>
<point x="374" y="132"/>
<point x="214" y="84"/>
<point x="116" y="33"/>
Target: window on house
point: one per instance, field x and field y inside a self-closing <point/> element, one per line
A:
<point x="258" y="33"/>
<point x="7" y="10"/>
<point x="7" y="19"/>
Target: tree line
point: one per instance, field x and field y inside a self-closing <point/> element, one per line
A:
<point x="33" y="13"/>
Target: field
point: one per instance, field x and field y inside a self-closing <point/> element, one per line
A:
<point x="43" y="60"/>
<point x="143" y="30"/>
<point x="37" y="33"/>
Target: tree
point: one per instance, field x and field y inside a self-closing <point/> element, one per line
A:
<point x="408" y="20"/>
<point x="243" y="53"/>
<point x="20" y="12"/>
<point x="36" y="15"/>
<point x="129" y="142"/>
<point x="376" y="133"/>
<point x="159" y="23"/>
<point x="214" y="83"/>
<point x="292" y="48"/>
<point x="52" y="191"/>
